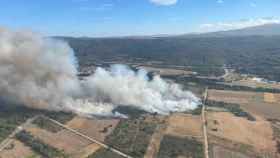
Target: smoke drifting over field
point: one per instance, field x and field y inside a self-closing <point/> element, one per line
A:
<point x="42" y="73"/>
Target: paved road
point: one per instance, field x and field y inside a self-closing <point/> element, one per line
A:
<point x="89" y="138"/>
<point x="9" y="139"/>
<point x="206" y="148"/>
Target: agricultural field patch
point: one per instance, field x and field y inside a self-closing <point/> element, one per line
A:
<point x="239" y="97"/>
<point x="104" y="153"/>
<point x="252" y="102"/>
<point x="183" y="125"/>
<point x="97" y="128"/>
<point x="154" y="145"/>
<point x="66" y="141"/>
<point x="17" y="149"/>
<point x="221" y="152"/>
<point x="180" y="147"/>
<point x="272" y="98"/>
<point x="257" y="134"/>
<point x="255" y="84"/>
<point x="132" y="136"/>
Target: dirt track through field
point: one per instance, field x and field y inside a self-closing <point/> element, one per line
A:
<point x="206" y="148"/>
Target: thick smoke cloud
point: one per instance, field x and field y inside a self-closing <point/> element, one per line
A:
<point x="42" y="73"/>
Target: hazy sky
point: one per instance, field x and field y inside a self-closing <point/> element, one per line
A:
<point x="135" y="17"/>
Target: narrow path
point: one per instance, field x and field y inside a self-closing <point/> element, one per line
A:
<point x="204" y="121"/>
<point x="89" y="138"/>
<point x="9" y="139"/>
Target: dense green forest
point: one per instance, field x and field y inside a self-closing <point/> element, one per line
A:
<point x="258" y="55"/>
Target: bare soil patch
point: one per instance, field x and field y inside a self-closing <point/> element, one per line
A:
<point x="96" y="128"/>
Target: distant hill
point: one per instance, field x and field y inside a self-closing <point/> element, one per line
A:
<point x="254" y="50"/>
<point x="263" y="30"/>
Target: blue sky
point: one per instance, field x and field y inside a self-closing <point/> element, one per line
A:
<point x="135" y="17"/>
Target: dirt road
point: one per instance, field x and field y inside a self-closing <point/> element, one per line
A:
<point x="206" y="150"/>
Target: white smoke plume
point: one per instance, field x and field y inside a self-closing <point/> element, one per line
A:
<point x="42" y="73"/>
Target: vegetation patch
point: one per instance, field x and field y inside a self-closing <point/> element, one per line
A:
<point x="61" y="116"/>
<point x="39" y="146"/>
<point x="174" y="147"/>
<point x="129" y="111"/>
<point x="233" y="108"/>
<point x="196" y="111"/>
<point x="12" y="116"/>
<point x="218" y="84"/>
<point x="47" y="125"/>
<point x="104" y="153"/>
<point x="132" y="136"/>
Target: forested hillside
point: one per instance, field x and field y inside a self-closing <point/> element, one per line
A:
<point x="248" y="54"/>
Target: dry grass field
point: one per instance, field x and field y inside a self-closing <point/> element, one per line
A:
<point x="272" y="98"/>
<point x="184" y="125"/>
<point x="238" y="97"/>
<point x="65" y="140"/>
<point x="263" y="104"/>
<point x="221" y="152"/>
<point x="17" y="150"/>
<point x="258" y="134"/>
<point x="94" y="127"/>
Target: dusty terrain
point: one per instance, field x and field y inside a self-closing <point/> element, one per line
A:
<point x="258" y="134"/>
<point x="94" y="127"/>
